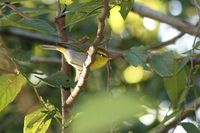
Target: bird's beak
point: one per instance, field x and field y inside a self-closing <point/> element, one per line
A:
<point x="109" y="58"/>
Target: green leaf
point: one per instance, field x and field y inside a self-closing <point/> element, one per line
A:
<point x="37" y="25"/>
<point x="182" y="63"/>
<point x="15" y="20"/>
<point x="73" y="118"/>
<point x="21" y="55"/>
<point x="36" y="122"/>
<point x="58" y="80"/>
<point x="189" y="127"/>
<point x="176" y="87"/>
<point x="126" y="6"/>
<point x="81" y="11"/>
<point x="11" y="85"/>
<point x="136" y="56"/>
<point x="100" y="112"/>
<point x="162" y="64"/>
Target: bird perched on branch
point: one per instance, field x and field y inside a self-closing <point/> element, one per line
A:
<point x="76" y="58"/>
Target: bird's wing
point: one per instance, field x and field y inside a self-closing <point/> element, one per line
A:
<point x="76" y="58"/>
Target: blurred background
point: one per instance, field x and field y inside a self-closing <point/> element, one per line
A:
<point x="118" y="98"/>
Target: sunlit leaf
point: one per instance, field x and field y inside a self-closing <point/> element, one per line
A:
<point x="11" y="80"/>
<point x="11" y="85"/>
<point x="136" y="56"/>
<point x="36" y="122"/>
<point x="66" y="2"/>
<point x="189" y="127"/>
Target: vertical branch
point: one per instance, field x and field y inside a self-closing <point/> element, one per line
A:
<point x="91" y="54"/>
<point x="65" y="92"/>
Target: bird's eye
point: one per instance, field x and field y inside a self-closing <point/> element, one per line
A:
<point x="102" y="55"/>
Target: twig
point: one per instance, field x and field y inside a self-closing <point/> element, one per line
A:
<point x="166" y="43"/>
<point x="190" y="84"/>
<point x="191" y="107"/>
<point x="189" y="110"/>
<point x="176" y="22"/>
<point x="13" y="7"/>
<point x="182" y="57"/>
<point x="29" y="35"/>
<point x="60" y="23"/>
<point x="91" y="54"/>
<point x="45" y="60"/>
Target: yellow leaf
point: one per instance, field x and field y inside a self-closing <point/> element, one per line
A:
<point x="67" y="2"/>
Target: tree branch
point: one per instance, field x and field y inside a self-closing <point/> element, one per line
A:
<point x="66" y="68"/>
<point x="176" y="22"/>
<point x="166" y="43"/>
<point x="91" y="54"/>
<point x="29" y="35"/>
<point x="189" y="110"/>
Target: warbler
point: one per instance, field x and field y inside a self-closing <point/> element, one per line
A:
<point x="76" y="58"/>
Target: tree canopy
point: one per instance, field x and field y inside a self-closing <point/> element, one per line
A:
<point x="149" y="84"/>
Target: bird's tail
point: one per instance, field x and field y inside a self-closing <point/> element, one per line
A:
<point x="49" y="47"/>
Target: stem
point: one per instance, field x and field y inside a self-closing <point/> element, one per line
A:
<point x="65" y="92"/>
<point x="91" y="54"/>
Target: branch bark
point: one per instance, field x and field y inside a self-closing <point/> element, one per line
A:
<point x="140" y="9"/>
<point x="29" y="35"/>
<point x="176" y="22"/>
<point x="166" y="43"/>
<point x="66" y="68"/>
<point x="189" y="110"/>
<point x="91" y="54"/>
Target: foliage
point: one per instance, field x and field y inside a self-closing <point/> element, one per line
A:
<point x="145" y="84"/>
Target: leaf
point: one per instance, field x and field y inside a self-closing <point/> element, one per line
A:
<point x="100" y="112"/>
<point x="81" y="11"/>
<point x="189" y="127"/>
<point x="58" y="80"/>
<point x="76" y="116"/>
<point x="162" y="64"/>
<point x="126" y="6"/>
<point x="182" y="63"/>
<point x="176" y="87"/>
<point x="36" y="122"/>
<point x="11" y="85"/>
<point x="136" y="56"/>
<point x="37" y="25"/>
<point x="13" y="18"/>
<point x="21" y="55"/>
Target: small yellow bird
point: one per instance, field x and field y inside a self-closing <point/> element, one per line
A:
<point x="76" y="58"/>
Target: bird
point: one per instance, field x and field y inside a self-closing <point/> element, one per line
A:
<point x="76" y="58"/>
